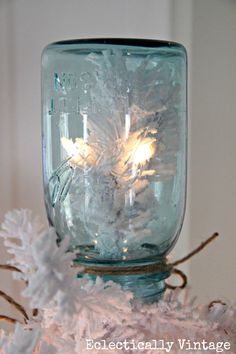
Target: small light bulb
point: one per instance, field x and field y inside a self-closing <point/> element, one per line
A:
<point x="69" y="146"/>
<point x="80" y="153"/>
<point x="143" y="153"/>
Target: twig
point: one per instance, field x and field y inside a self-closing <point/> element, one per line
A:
<point x="212" y="303"/>
<point x="17" y="306"/>
<point x="8" y="319"/>
<point x="186" y="258"/>
<point x="182" y="276"/>
<point x="35" y="312"/>
<point x="197" y="250"/>
<point x="11" y="301"/>
<point x="9" y="267"/>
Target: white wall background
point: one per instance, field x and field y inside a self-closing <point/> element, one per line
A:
<point x="213" y="145"/>
<point x="208" y="29"/>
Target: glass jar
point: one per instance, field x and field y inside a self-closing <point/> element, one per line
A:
<point x="114" y="154"/>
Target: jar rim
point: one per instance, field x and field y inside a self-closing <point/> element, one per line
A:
<point x="133" y="42"/>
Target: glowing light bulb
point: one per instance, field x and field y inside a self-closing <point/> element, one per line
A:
<point x="80" y="153"/>
<point x="69" y="146"/>
<point x="143" y="153"/>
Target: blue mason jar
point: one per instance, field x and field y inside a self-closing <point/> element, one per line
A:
<point x="114" y="154"/>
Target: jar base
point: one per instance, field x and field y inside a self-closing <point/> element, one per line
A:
<point x="148" y="288"/>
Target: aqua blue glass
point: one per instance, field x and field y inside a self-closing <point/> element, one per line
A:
<point x="114" y="154"/>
